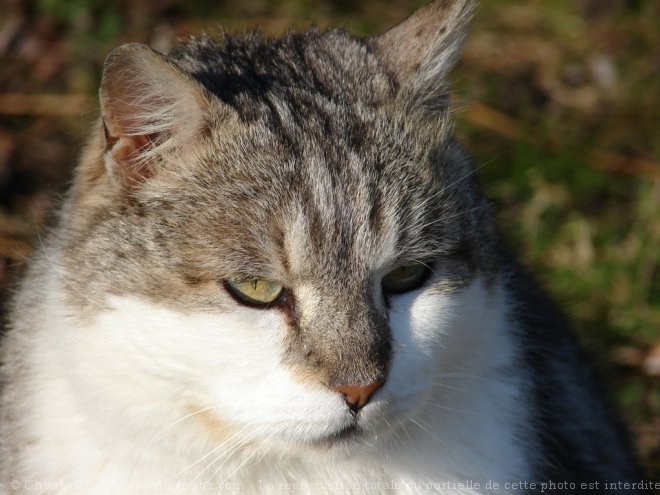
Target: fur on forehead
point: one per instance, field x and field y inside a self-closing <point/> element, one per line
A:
<point x="251" y="205"/>
<point x="154" y="107"/>
<point x="249" y="71"/>
<point x="411" y="60"/>
<point x="315" y="124"/>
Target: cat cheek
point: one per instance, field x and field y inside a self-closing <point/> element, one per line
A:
<point x="252" y="383"/>
<point x="416" y="334"/>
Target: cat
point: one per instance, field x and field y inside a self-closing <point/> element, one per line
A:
<point x="275" y="272"/>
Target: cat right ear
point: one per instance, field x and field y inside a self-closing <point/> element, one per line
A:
<point x="151" y="109"/>
<point x="420" y="51"/>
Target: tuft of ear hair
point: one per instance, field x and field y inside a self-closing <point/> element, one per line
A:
<point x="420" y="51"/>
<point x="150" y="108"/>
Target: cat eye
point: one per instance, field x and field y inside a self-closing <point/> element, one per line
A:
<point x="256" y="291"/>
<point x="405" y="278"/>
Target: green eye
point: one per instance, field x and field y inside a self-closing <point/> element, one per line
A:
<point x="255" y="292"/>
<point x="405" y="278"/>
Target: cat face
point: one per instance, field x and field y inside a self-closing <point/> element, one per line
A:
<point x="263" y="224"/>
<point x="228" y="372"/>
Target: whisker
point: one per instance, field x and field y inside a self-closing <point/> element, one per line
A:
<point x="462" y="375"/>
<point x="245" y="461"/>
<point x="454" y="452"/>
<point x="395" y="432"/>
<point x="426" y="430"/>
<point x="454" y="215"/>
<point x="226" y="455"/>
<point x="444" y="385"/>
<point x="450" y="409"/>
<point x="213" y="450"/>
<point x="472" y="172"/>
<point x="160" y="432"/>
<point x="447" y="187"/>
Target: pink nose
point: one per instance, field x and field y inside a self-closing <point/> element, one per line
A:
<point x="357" y="396"/>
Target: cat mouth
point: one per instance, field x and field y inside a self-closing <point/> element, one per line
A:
<point x="346" y="434"/>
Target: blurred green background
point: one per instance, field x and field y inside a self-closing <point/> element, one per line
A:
<point x="559" y="102"/>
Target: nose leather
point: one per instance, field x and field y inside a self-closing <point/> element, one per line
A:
<point x="357" y="396"/>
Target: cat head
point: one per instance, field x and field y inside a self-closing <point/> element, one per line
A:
<point x="277" y="237"/>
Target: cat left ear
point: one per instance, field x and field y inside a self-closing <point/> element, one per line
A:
<point x="150" y="108"/>
<point x="420" y="51"/>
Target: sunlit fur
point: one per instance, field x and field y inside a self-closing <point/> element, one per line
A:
<point x="319" y="162"/>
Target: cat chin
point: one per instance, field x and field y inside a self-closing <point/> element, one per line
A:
<point x="346" y="443"/>
<point x="360" y="435"/>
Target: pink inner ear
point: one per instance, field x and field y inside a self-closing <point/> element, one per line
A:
<point x="149" y="107"/>
<point x="125" y="151"/>
<point x="126" y="114"/>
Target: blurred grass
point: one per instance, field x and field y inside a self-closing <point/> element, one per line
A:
<point x="559" y="100"/>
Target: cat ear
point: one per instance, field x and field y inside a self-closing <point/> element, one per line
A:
<point x="150" y="109"/>
<point x="420" y="51"/>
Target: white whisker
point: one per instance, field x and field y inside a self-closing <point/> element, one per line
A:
<point x="163" y="430"/>
<point x="225" y="455"/>
<point x="245" y="461"/>
<point x="472" y="171"/>
<point x="211" y="452"/>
